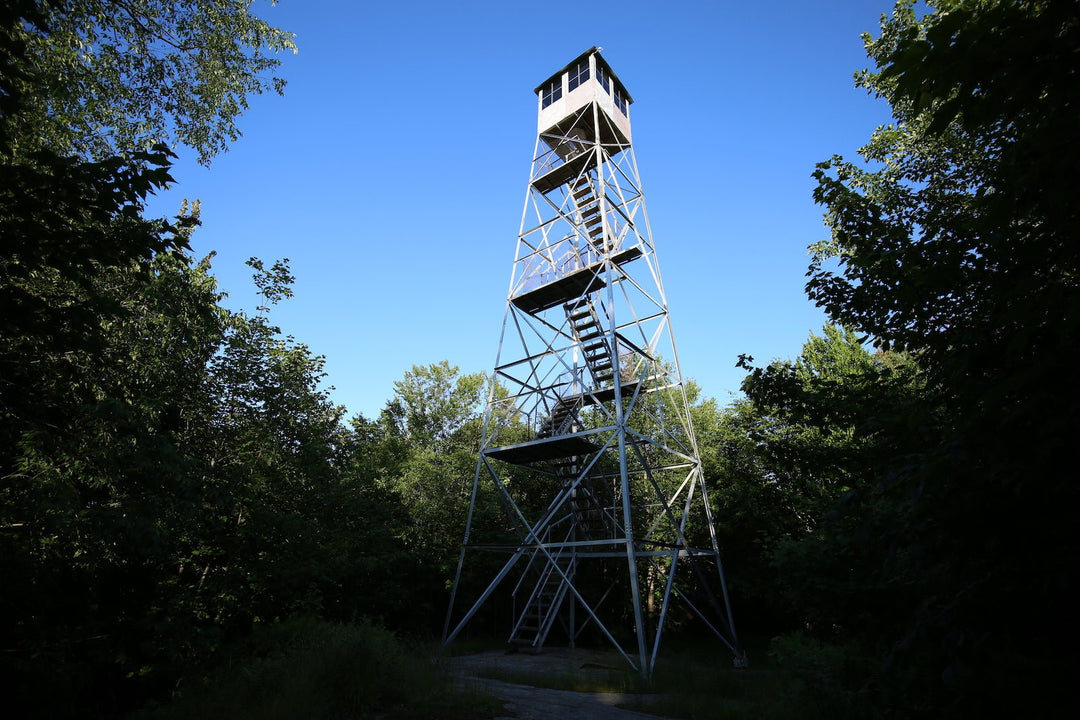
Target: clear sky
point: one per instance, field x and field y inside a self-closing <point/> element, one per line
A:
<point x="393" y="172"/>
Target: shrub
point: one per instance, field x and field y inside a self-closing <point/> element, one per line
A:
<point x="316" y="669"/>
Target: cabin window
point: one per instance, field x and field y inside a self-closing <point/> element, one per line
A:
<point x="551" y="93"/>
<point x="602" y="77"/>
<point x="579" y="75"/>
<point x="620" y="102"/>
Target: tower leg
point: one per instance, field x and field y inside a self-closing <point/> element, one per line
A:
<point x="631" y="555"/>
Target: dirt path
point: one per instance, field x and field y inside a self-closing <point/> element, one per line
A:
<point x="525" y="702"/>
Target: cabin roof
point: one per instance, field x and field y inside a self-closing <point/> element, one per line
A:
<point x="600" y="61"/>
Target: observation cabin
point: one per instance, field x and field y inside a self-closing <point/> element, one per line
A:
<point x="579" y="106"/>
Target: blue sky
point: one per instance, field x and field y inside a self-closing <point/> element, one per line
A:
<point x="393" y="171"/>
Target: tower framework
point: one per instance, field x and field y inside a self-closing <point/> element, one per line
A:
<point x="588" y="445"/>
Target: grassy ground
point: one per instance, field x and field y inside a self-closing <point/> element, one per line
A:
<point x="314" y="669"/>
<point x="692" y="682"/>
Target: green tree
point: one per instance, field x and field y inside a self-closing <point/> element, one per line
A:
<point x="432" y="404"/>
<point x="422" y="451"/>
<point x="957" y="242"/>
<point x="801" y="458"/>
<point x="116" y="75"/>
<point x="433" y="420"/>
<point x="98" y="492"/>
<point x="273" y="445"/>
<point x="170" y="472"/>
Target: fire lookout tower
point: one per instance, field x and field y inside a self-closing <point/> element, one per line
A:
<point x="587" y="443"/>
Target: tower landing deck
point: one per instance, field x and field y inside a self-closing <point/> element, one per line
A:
<point x="539" y="450"/>
<point x="570" y="286"/>
<point x="557" y="447"/>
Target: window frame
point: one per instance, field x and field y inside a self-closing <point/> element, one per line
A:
<point x="551" y="94"/>
<point x="620" y="102"/>
<point x="578" y="76"/>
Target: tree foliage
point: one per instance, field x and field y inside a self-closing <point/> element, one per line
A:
<point x="432" y="403"/>
<point x="961" y="243"/>
<point x="170" y="469"/>
<point x="111" y="76"/>
<point x="799" y="461"/>
<point x="948" y="550"/>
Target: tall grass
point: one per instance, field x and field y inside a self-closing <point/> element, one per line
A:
<point x="308" y="668"/>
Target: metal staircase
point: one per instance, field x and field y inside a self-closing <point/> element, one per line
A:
<point x="586" y="512"/>
<point x="586" y="328"/>
<point x="588" y="205"/>
<point x="588" y="505"/>
<point x="563" y="418"/>
<point x="543" y="604"/>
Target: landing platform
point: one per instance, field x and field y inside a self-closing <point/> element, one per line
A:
<point x="578" y="283"/>
<point x="571" y="286"/>
<point x="540" y="450"/>
<point x="607" y="394"/>
<point x="567" y="171"/>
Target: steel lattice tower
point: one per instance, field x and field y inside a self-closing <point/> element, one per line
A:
<point x="587" y="442"/>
